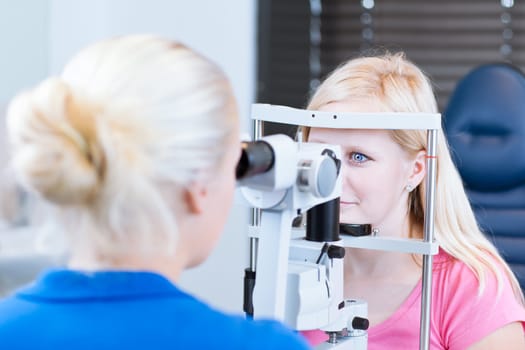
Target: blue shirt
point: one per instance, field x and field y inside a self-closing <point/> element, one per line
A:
<point x="67" y="309"/>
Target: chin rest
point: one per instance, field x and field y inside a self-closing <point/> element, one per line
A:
<point x="485" y="125"/>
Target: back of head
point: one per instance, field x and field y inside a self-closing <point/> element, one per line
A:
<point x="127" y="115"/>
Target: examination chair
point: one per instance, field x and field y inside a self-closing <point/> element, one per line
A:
<point x="484" y="123"/>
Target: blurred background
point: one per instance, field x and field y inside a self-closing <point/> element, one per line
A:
<point x="274" y="51"/>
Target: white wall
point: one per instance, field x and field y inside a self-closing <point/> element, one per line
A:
<point x="48" y="33"/>
<point x="24" y="50"/>
<point x="222" y="30"/>
<point x="24" y="45"/>
<point x="24" y="27"/>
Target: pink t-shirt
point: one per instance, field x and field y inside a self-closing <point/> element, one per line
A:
<point x="459" y="318"/>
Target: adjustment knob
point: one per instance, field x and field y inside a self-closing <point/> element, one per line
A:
<point x="318" y="176"/>
<point x="336" y="252"/>
<point x="360" y="323"/>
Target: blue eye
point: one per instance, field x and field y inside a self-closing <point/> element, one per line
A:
<point x="358" y="157"/>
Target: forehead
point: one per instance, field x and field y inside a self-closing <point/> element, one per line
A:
<point x="352" y="137"/>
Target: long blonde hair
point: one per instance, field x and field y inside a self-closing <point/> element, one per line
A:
<point x="127" y="116"/>
<point x="393" y="84"/>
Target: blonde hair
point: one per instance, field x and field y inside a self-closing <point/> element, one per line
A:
<point x="126" y="116"/>
<point x="393" y="84"/>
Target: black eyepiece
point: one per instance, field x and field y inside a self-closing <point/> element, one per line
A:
<point x="257" y="157"/>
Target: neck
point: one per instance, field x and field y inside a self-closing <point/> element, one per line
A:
<point x="378" y="264"/>
<point x="167" y="265"/>
<point x="373" y="262"/>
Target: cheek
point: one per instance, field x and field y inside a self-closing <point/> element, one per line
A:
<point x="224" y="201"/>
<point x="228" y="193"/>
<point x="360" y="182"/>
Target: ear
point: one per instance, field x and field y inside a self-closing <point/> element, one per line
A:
<point x="418" y="169"/>
<point x="195" y="196"/>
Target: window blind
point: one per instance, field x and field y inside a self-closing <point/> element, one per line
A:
<point x="446" y="38"/>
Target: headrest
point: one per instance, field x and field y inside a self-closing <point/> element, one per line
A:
<point x="485" y="126"/>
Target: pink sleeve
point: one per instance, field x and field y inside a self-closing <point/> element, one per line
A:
<point x="314" y="337"/>
<point x="466" y="316"/>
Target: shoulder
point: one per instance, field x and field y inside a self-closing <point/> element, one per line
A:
<point x="258" y="334"/>
<point x="183" y="320"/>
<point x="13" y="307"/>
<point x="462" y="311"/>
<point x="16" y="318"/>
<point x="274" y="335"/>
<point x="233" y="329"/>
<point x="457" y="280"/>
<point x="453" y="275"/>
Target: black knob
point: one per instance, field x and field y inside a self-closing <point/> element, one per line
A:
<point x="360" y="323"/>
<point x="336" y="252"/>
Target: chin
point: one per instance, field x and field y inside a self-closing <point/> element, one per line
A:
<point x="353" y="220"/>
<point x="195" y="262"/>
<point x="198" y="259"/>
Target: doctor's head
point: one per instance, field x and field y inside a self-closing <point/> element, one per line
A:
<point x="132" y="145"/>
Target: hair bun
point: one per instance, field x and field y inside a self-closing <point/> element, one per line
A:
<point x="55" y="152"/>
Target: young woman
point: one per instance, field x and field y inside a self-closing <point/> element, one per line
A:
<point x="477" y="302"/>
<point x="135" y="145"/>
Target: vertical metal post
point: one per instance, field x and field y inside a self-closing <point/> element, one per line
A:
<point x="426" y="295"/>
<point x="255" y="216"/>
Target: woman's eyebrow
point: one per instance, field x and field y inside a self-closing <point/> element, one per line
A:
<point x="359" y="149"/>
<point x="347" y="147"/>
